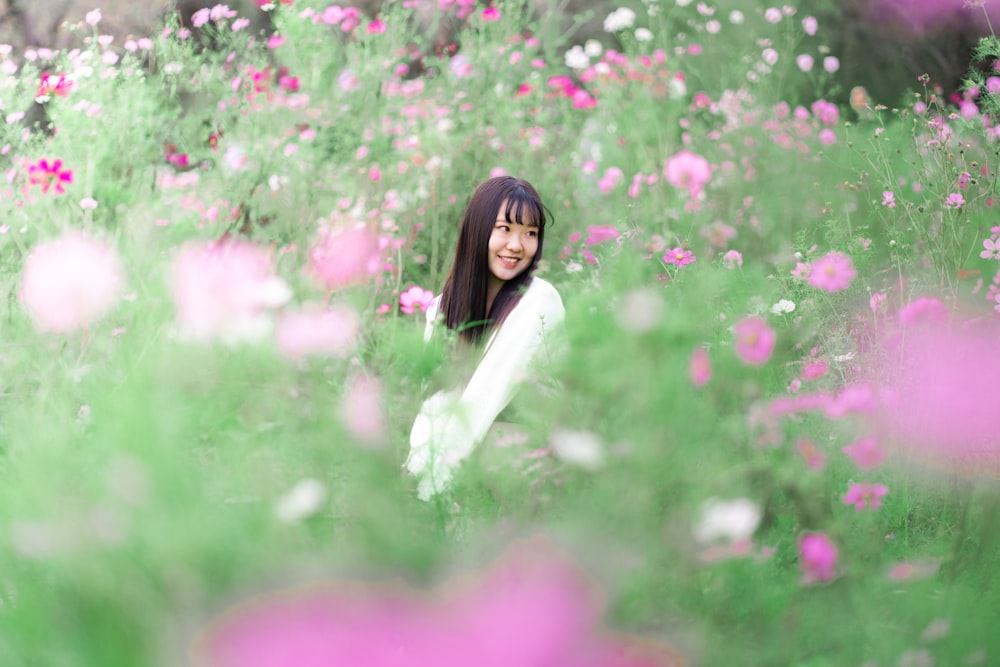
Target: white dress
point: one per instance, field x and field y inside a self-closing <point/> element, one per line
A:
<point x="453" y="422"/>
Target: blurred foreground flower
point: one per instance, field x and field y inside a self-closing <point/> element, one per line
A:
<point x="301" y="501"/>
<point x="754" y="340"/>
<point x="344" y="256"/>
<point x="223" y="291"/>
<point x="316" y="332"/>
<point x="818" y="558"/>
<point x="579" y="448"/>
<point x="939" y="403"/>
<point x="727" y="520"/>
<point x="530" y="609"/>
<point x="361" y="410"/>
<point x="70" y="282"/>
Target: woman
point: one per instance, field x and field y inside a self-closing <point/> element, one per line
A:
<point x="490" y="299"/>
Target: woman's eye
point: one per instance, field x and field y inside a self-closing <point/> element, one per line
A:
<point x="503" y="228"/>
<point x="532" y="234"/>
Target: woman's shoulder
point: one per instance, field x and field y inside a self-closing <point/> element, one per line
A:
<point x="543" y="290"/>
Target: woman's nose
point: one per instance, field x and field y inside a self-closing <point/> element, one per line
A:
<point x="514" y="242"/>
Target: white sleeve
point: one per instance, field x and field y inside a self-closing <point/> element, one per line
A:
<point x="452" y="423"/>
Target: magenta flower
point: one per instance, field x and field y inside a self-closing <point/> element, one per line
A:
<point x="531" y="609"/>
<point x="345" y="256"/>
<point x="954" y="200"/>
<point x="415" y="299"/>
<point x="46" y="174"/>
<point x="679" y="257"/>
<point x="865" y="495"/>
<point x="687" y="170"/>
<point x="866" y="453"/>
<point x="70" y="282"/>
<point x="599" y="234"/>
<point x="491" y="14"/>
<point x="376" y="27"/>
<point x="818" y="558"/>
<point x="700" y="367"/>
<point x="832" y="272"/>
<point x="754" y="340"/>
<point x="315" y="332"/>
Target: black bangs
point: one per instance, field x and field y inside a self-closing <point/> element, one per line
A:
<point x="517" y="202"/>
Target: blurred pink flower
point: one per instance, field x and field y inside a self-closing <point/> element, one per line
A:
<point x="940" y="393"/>
<point x="732" y="259"/>
<point x="533" y="608"/>
<point x="923" y="310"/>
<point x="376" y="27"/>
<point x="416" y="299"/>
<point x="700" y="367"/>
<point x="992" y="249"/>
<point x="876" y="301"/>
<point x="679" y="257"/>
<point x="599" y="234"/>
<point x="814" y="457"/>
<point x="344" y="256"/>
<point x="865" y="495"/>
<point x="223" y="290"/>
<point x="954" y="200"/>
<point x="815" y="369"/>
<point x="866" y="453"/>
<point x="818" y="558"/>
<point x="70" y="282"/>
<point x="889" y="199"/>
<point x="754" y="340"/>
<point x="804" y="62"/>
<point x="687" y="170"/>
<point x="810" y="25"/>
<point x="361" y="410"/>
<point x="315" y="332"/>
<point x="491" y="14"/>
<point x="832" y="272"/>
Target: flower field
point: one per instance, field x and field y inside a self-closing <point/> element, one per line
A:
<point x="771" y="438"/>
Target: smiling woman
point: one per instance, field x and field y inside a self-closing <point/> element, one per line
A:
<point x="490" y="298"/>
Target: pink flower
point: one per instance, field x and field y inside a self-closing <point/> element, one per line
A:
<point x="954" y="200"/>
<point x="804" y="62"/>
<point x="599" y="234"/>
<point x="865" y="495"/>
<point x="344" y="256"/>
<point x="814" y="457"/>
<point x="992" y="249"/>
<point x="49" y="86"/>
<point x="491" y="14"/>
<point x="376" y="27"/>
<point x="876" y="301"/>
<point x="923" y="310"/>
<point x="832" y="272"/>
<point x="531" y="608"/>
<point x="831" y="64"/>
<point x="818" y="558"/>
<point x="687" y="170"/>
<point x="827" y="137"/>
<point x="224" y="290"/>
<point x="732" y="259"/>
<point x="70" y="282"/>
<point x="315" y="332"/>
<point x="46" y="174"/>
<point x="415" y="299"/>
<point x="815" y="369"/>
<point x="888" y="199"/>
<point x="679" y="257"/>
<point x="964" y="179"/>
<point x="361" y="410"/>
<point x="754" y="340"/>
<point x="93" y="17"/>
<point x="866" y="453"/>
<point x="810" y="25"/>
<point x="941" y="384"/>
<point x="700" y="367"/>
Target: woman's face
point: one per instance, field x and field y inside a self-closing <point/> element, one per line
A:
<point x="512" y="246"/>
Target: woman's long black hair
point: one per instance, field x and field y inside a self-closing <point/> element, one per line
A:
<point x="463" y="299"/>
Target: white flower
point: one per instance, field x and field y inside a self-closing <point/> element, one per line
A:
<point x="580" y="448"/>
<point x="640" y="310"/>
<point x="643" y="35"/>
<point x="736" y="17"/>
<point x="683" y="3"/>
<point x="576" y="58"/>
<point x="782" y="307"/>
<point x="727" y="520"/>
<point x="620" y="19"/>
<point x="593" y="48"/>
<point x="303" y="500"/>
